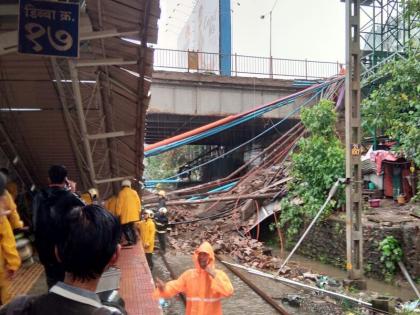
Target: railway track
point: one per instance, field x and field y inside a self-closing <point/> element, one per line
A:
<point x="232" y="272"/>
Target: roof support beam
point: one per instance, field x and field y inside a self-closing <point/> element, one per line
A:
<point x="110" y="180"/>
<point x="114" y="134"/>
<point x="82" y="119"/>
<point x="68" y="120"/>
<point x="142" y="101"/>
<point x="104" y="62"/>
<point x="106" y="34"/>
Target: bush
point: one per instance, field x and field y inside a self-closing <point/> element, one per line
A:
<point x="318" y="163"/>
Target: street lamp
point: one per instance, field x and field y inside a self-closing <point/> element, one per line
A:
<point x="262" y="17"/>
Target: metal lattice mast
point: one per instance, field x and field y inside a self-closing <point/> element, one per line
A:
<point x="385" y="30"/>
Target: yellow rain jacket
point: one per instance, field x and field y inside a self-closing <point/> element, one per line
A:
<point x="9" y="257"/>
<point x="147" y="231"/>
<point x="128" y="205"/>
<point x="110" y="204"/>
<point x="87" y="199"/>
<point x="9" y="204"/>
<point x="203" y="293"/>
<point x="12" y="188"/>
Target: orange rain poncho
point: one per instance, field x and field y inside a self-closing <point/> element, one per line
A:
<point x="203" y="293"/>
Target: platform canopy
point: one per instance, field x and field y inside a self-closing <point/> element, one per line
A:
<point x="86" y="113"/>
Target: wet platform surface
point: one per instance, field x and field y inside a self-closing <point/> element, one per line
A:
<point x="136" y="286"/>
<point x="25" y="279"/>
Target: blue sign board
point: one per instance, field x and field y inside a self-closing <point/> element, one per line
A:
<point x="49" y="28"/>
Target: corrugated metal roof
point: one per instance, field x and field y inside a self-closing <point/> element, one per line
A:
<point x="110" y="95"/>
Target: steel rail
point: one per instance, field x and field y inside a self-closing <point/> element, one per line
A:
<point x="280" y="309"/>
<point x="173" y="275"/>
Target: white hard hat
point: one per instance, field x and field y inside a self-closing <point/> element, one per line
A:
<point x="149" y="212"/>
<point x="93" y="192"/>
<point x="163" y="210"/>
<point x="126" y="182"/>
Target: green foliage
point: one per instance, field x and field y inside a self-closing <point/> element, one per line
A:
<point x="412" y="11"/>
<point x="320" y="120"/>
<point x="316" y="166"/>
<point x="167" y="164"/>
<point x="391" y="254"/>
<point x="394" y="107"/>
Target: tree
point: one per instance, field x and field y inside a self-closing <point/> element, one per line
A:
<point x="393" y="108"/>
<point x="318" y="163"/>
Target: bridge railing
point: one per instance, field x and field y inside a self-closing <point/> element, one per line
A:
<point x="241" y="65"/>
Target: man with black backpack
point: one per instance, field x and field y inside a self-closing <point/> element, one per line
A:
<point x="50" y="207"/>
<point x="87" y="246"/>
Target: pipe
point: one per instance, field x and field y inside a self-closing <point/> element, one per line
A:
<point x="190" y="133"/>
<point x="330" y="195"/>
<point x="237" y="116"/>
<point x="280" y="309"/>
<point x="407" y="276"/>
<point x="186" y="202"/>
<point x="305" y="286"/>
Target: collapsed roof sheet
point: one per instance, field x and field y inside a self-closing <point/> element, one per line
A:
<point x="39" y="107"/>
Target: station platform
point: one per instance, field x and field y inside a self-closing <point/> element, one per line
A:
<point x="136" y="285"/>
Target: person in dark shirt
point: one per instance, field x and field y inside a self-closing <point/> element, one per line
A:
<point x="88" y="245"/>
<point x="50" y="206"/>
<point x="161" y="220"/>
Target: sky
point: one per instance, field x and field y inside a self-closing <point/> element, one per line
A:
<point x="301" y="29"/>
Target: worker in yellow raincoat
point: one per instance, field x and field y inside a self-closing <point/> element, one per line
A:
<point x="11" y="185"/>
<point x="128" y="210"/>
<point x="110" y="204"/>
<point x="147" y="235"/>
<point x="204" y="286"/>
<point x="9" y="257"/>
<point x="9" y="204"/>
<point x="8" y="201"/>
<point x="90" y="197"/>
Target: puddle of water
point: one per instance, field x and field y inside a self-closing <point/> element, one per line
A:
<point x="404" y="292"/>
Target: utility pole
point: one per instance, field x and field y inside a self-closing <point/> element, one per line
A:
<point x="354" y="230"/>
<point x="271" y="40"/>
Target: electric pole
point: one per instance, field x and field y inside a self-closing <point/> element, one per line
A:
<point x="354" y="206"/>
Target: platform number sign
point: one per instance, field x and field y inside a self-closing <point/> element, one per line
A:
<point x="49" y="28"/>
<point x="356" y="149"/>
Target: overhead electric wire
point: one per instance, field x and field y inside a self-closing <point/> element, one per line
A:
<point x="246" y="142"/>
<point x="229" y="122"/>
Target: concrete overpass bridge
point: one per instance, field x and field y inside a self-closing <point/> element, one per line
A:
<point x="184" y="101"/>
<point x="188" y="93"/>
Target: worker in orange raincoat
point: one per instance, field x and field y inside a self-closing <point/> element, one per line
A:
<point x="204" y="286"/>
<point x="9" y="257"/>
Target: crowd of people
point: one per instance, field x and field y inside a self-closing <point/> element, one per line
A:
<point x="77" y="238"/>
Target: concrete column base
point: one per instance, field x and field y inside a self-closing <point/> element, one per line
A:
<point x="384" y="303"/>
